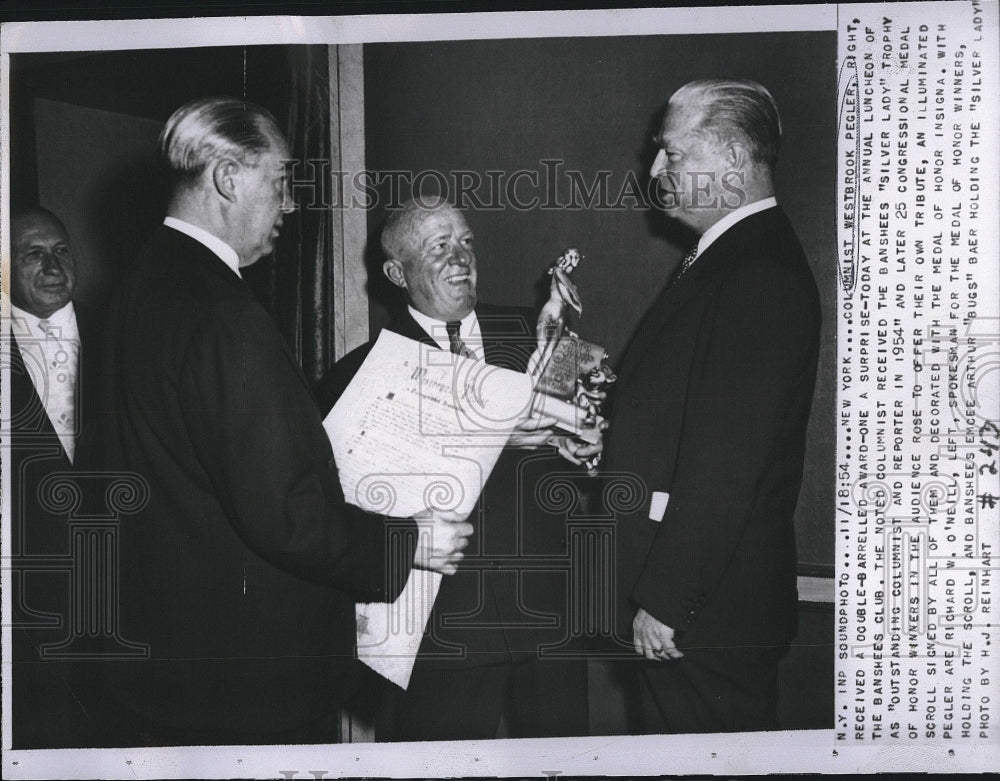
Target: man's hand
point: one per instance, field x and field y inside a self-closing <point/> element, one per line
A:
<point x="577" y="451"/>
<point x="443" y="536"/>
<point x="533" y="432"/>
<point x="653" y="640"/>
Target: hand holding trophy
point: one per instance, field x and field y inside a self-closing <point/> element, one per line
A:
<point x="571" y="375"/>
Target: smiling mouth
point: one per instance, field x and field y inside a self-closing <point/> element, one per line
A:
<point x="458" y="279"/>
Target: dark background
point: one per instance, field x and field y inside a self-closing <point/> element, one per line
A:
<point x="594" y="103"/>
<point x="83" y="138"/>
<point x="591" y="103"/>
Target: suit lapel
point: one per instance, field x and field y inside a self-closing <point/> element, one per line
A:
<point x="405" y="325"/>
<point x="647" y="335"/>
<point x="508" y="338"/>
<point x="491" y="344"/>
<point x="28" y="411"/>
<point x="501" y="334"/>
<point x="206" y="262"/>
<point x="707" y="271"/>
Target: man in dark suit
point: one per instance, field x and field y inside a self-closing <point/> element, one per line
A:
<point x="51" y="352"/>
<point x="242" y="570"/>
<point x="711" y="408"/>
<point x="482" y="658"/>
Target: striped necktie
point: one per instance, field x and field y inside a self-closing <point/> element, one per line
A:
<point x="457" y="345"/>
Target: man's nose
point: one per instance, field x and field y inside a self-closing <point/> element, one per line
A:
<point x="659" y="167"/>
<point x="288" y="204"/>
<point x="460" y="256"/>
<point x="50" y="264"/>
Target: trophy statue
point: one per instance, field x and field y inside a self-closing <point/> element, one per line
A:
<point x="572" y="375"/>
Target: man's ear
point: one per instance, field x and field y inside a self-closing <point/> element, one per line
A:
<point x="737" y="157"/>
<point x="393" y="269"/>
<point x="224" y="175"/>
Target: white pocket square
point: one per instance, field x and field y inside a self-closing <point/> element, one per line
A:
<point x="658" y="505"/>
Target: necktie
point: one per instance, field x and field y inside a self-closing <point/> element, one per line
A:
<point x="62" y="357"/>
<point x="457" y="345"/>
<point x="686" y="263"/>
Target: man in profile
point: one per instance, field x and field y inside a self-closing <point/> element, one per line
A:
<point x="482" y="658"/>
<point x="51" y="352"/>
<point x="712" y="403"/>
<point x="242" y="570"/>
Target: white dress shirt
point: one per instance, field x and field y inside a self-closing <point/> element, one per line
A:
<point x="50" y="349"/>
<point x="468" y="332"/>
<point x="225" y="253"/>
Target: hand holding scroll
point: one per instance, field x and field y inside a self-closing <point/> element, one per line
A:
<point x="532" y="432"/>
<point x="444" y="534"/>
<point x="577" y="451"/>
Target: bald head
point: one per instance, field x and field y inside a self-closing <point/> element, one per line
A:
<point x="402" y="223"/>
<point x="429" y="254"/>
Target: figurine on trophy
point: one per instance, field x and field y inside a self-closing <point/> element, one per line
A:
<point x="562" y="292"/>
<point x="573" y="375"/>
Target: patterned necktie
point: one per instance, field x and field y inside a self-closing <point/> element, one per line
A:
<point x="457" y="345"/>
<point x="686" y="263"/>
<point x="62" y="356"/>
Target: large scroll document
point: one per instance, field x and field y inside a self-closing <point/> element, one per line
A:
<point x="418" y="427"/>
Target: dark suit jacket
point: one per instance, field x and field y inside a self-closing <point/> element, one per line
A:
<point x="510" y="595"/>
<point x="242" y="569"/>
<point x="48" y="695"/>
<point x="711" y="406"/>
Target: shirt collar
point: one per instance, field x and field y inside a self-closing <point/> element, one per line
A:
<point x="63" y="319"/>
<point x="731" y="219"/>
<point x="468" y="331"/>
<point x="225" y="253"/>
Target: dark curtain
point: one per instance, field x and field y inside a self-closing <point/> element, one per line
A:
<point x="295" y="283"/>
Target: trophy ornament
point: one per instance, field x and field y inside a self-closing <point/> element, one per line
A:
<point x="572" y="374"/>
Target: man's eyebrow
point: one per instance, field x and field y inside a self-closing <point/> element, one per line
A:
<point x="443" y="233"/>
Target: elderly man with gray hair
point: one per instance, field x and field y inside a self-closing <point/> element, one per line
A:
<point x="711" y="410"/>
<point x="241" y="571"/>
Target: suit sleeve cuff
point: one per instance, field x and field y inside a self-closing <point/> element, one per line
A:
<point x="393" y="547"/>
<point x="677" y="607"/>
<point x="400" y="548"/>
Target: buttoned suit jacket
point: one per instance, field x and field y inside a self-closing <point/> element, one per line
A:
<point x="48" y="694"/>
<point x="711" y="407"/>
<point x="241" y="570"/>
<point x="510" y="598"/>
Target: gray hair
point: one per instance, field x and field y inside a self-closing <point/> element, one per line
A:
<point x="401" y="222"/>
<point x="736" y="109"/>
<point x="208" y="129"/>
